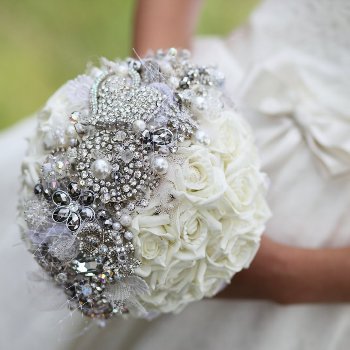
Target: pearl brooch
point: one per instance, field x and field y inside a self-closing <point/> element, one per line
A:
<point x="128" y="235"/>
<point x="125" y="220"/>
<point x="202" y="137"/>
<point x="101" y="169"/>
<point x="160" y="165"/>
<point x="139" y="125"/>
<point x="172" y="52"/>
<point x="116" y="226"/>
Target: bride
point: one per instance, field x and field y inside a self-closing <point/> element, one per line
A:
<point x="288" y="70"/>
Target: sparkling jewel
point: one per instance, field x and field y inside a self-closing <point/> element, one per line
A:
<point x="86" y="290"/>
<point x="120" y="135"/>
<point x="102" y="278"/>
<point x="61" y="277"/>
<point x="96" y="187"/>
<point x="86" y="266"/>
<point x="105" y="198"/>
<point x="144" y="203"/>
<point x="74" y="190"/>
<point x="162" y="136"/>
<point x="116" y="226"/>
<point x="47" y="193"/>
<point x="74" y="207"/>
<point x="87" y="213"/>
<point x="101" y="169"/>
<point x="87" y="197"/>
<point x="131" y="206"/>
<point x="53" y="184"/>
<point x="160" y="165"/>
<point x="60" y="198"/>
<point x="102" y="215"/>
<point x="127" y="156"/>
<point x="73" y="222"/>
<point x="103" y="249"/>
<point x="61" y="214"/>
<point x="38" y="189"/>
<point x="122" y="257"/>
<point x="108" y="224"/>
<point x="59" y="165"/>
<point x="135" y="64"/>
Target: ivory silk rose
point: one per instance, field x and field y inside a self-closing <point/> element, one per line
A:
<point x="215" y="230"/>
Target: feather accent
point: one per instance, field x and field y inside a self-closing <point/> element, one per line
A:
<point x="127" y="287"/>
<point x="135" y="307"/>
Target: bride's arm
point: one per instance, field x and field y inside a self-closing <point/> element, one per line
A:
<point x="294" y="275"/>
<point x="164" y="24"/>
<point x="279" y="272"/>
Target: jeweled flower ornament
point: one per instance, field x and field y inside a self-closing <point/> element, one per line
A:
<point x="141" y="189"/>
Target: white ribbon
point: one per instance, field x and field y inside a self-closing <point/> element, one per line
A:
<point x="294" y="89"/>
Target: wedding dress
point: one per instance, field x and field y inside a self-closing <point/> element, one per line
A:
<point x="288" y="70"/>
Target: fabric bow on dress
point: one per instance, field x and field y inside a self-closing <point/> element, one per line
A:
<point x="303" y="98"/>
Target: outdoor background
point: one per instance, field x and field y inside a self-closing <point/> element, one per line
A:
<point x="45" y="43"/>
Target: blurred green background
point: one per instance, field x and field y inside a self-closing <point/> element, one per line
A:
<point x="45" y="43"/>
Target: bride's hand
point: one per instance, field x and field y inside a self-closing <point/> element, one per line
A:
<point x="290" y="275"/>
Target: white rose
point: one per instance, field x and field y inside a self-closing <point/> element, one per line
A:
<point x="151" y="241"/>
<point x="242" y="250"/>
<point x="176" y="286"/>
<point x="233" y="251"/>
<point x="243" y="186"/>
<point x="153" y="247"/>
<point x="231" y="138"/>
<point x="200" y="178"/>
<point x="173" y="255"/>
<point x="193" y="226"/>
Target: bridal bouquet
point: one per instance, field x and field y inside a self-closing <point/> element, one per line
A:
<point x="141" y="188"/>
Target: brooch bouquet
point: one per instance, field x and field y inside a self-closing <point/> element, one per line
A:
<point x="141" y="188"/>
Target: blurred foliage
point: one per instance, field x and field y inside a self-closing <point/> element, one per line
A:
<point x="45" y="43"/>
